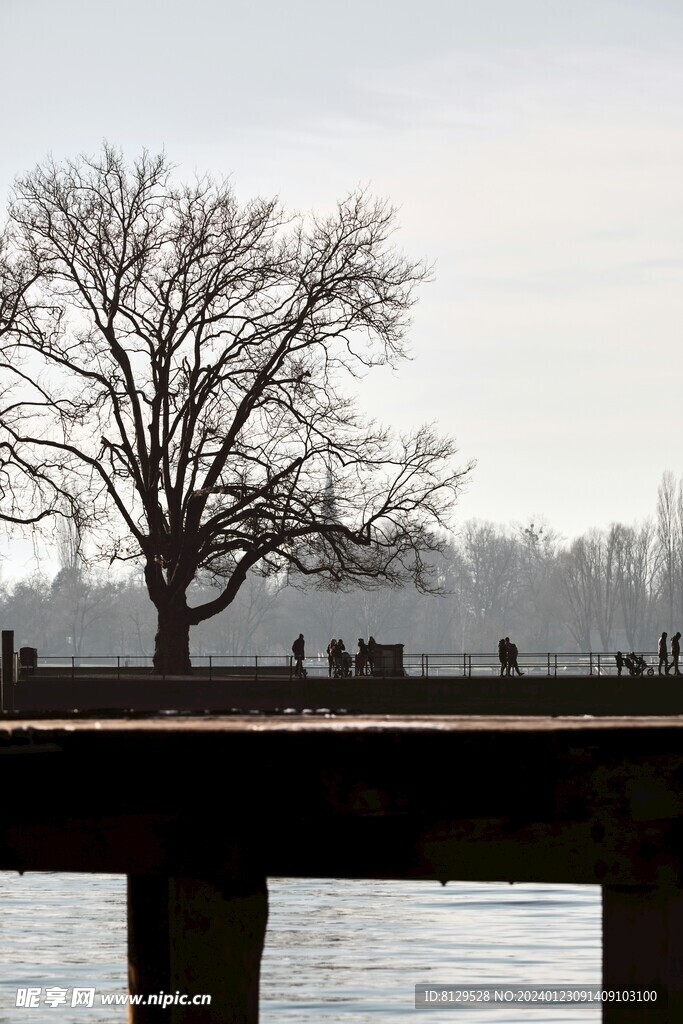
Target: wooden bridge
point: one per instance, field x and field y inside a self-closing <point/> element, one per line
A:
<point x="199" y="811"/>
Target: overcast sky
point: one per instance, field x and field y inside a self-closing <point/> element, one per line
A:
<point x="534" y="148"/>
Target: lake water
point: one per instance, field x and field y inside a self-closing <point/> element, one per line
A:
<point x="337" y="951"/>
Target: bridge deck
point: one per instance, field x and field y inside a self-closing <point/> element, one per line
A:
<point x="539" y="799"/>
<point x="457" y="695"/>
<point x="198" y="811"/>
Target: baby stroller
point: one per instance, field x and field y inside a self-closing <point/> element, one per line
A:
<point x="343" y="665"/>
<point x="637" y="666"/>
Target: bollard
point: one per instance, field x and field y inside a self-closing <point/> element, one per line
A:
<point x="7" y="680"/>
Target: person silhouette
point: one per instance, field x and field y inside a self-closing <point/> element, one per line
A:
<point x="331" y="654"/>
<point x="372" y="650"/>
<point x="502" y="656"/>
<point x="512" y="660"/>
<point x="361" y="657"/>
<point x="298" y="650"/>
<point x="675" y="652"/>
<point x="663" y="654"/>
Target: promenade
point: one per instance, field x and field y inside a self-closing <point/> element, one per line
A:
<point x="532" y="694"/>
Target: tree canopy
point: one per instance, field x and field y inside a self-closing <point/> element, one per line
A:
<point x="176" y="366"/>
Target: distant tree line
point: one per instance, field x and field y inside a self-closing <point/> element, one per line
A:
<point x="610" y="588"/>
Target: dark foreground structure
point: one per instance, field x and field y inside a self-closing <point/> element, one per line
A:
<point x="198" y="812"/>
<point x="531" y="695"/>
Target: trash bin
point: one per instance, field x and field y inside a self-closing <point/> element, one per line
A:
<point x="388" y="660"/>
<point x="28" y="658"/>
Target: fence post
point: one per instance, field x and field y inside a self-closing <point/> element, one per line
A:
<point x="598" y="664"/>
<point x="118" y="666"/>
<point x="73" y="666"/>
<point x="548" y="662"/>
<point x="590" y="663"/>
<point x="556" y="666"/>
<point x="469" y="659"/>
<point x="464" y="664"/>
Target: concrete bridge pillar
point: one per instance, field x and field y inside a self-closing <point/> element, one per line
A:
<point x="194" y="937"/>
<point x="642" y="950"/>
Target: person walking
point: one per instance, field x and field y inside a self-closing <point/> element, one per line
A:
<point x="298" y="650"/>
<point x="512" y="660"/>
<point x="372" y="650"/>
<point x="675" y="652"/>
<point x="619" y="658"/>
<point x="361" y="657"/>
<point x="502" y="656"/>
<point x="331" y="654"/>
<point x="339" y="653"/>
<point x="663" y="654"/>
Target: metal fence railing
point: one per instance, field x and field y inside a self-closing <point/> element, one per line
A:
<point x="120" y="665"/>
<point x="551" y="663"/>
<point x="473" y="665"/>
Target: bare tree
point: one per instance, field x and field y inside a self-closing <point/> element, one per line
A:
<point x="28" y="493"/>
<point x="537" y="572"/>
<point x="490" y="564"/>
<point x="603" y="551"/>
<point x="591" y="585"/>
<point x="670" y="539"/>
<point x="241" y="630"/>
<point x="78" y="601"/>
<point x="666" y="535"/>
<point x="69" y="544"/>
<point x="577" y="584"/>
<point x="638" y="573"/>
<point x="179" y="364"/>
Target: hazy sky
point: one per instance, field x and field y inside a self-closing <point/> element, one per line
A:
<point x="534" y="148"/>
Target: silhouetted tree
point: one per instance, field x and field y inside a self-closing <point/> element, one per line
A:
<point x="179" y="364"/>
<point x="537" y="591"/>
<point x="490" y="565"/>
<point x="576" y="569"/>
<point x="668" y="528"/>
<point x="638" y="573"/>
<point x="591" y="585"/>
<point x="603" y="551"/>
<point x="29" y="493"/>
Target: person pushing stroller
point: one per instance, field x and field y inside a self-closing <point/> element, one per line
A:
<point x="636" y="665"/>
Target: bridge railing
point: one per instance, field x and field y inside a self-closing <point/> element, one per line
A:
<point x="536" y="663"/>
<point x="474" y="665"/>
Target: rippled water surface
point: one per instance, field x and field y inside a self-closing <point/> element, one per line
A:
<point x="337" y="952"/>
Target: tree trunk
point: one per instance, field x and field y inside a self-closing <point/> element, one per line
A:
<point x="172" y="640"/>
